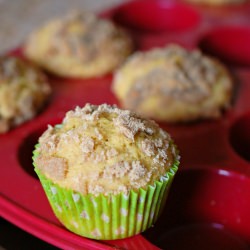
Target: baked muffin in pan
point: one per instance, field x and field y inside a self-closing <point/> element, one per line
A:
<point x="173" y="84"/>
<point x="106" y="171"/>
<point x="79" y="45"/>
<point x="24" y="90"/>
<point x="217" y="2"/>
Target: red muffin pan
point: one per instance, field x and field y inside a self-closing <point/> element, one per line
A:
<point x="209" y="203"/>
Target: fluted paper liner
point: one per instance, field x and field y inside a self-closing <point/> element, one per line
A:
<point x="108" y="217"/>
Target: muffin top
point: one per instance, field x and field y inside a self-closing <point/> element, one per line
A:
<point x="173" y="71"/>
<point x="218" y="2"/>
<point x="79" y="45"/>
<point x="85" y="36"/>
<point x="23" y="91"/>
<point x="105" y="150"/>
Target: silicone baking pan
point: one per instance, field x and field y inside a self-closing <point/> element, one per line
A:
<point x="209" y="203"/>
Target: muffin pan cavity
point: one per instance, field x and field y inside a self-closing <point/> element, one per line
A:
<point x="195" y="236"/>
<point x="206" y="209"/>
<point x="240" y="137"/>
<point x="156" y="16"/>
<point x="230" y="44"/>
<point x="208" y="205"/>
<point x="25" y="150"/>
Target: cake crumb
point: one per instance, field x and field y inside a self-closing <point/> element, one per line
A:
<point x="53" y="166"/>
<point x="87" y="144"/>
<point x="137" y="171"/>
<point x="118" y="170"/>
<point x="111" y="153"/>
<point x="98" y="134"/>
<point x="130" y="125"/>
<point x="148" y="147"/>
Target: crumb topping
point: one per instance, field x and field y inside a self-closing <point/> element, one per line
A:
<point x="126" y="121"/>
<point x="117" y="170"/>
<point x="12" y="67"/>
<point x="116" y="152"/>
<point x="87" y="144"/>
<point x="98" y="134"/>
<point x="53" y="166"/>
<point x="23" y="91"/>
<point x="112" y="153"/>
<point x="189" y="75"/>
<point x="130" y="126"/>
<point x="85" y="36"/>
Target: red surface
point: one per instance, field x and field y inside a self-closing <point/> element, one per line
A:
<point x="240" y="136"/>
<point x="154" y="16"/>
<point x="207" y="207"/>
<point x="230" y="44"/>
<point x="209" y="201"/>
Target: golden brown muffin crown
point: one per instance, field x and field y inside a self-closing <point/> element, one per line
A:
<point x="173" y="84"/>
<point x="218" y="2"/>
<point x="83" y="35"/>
<point x="182" y="73"/>
<point x="12" y="68"/>
<point x="79" y="45"/>
<point x="23" y="91"/>
<point x="102" y="149"/>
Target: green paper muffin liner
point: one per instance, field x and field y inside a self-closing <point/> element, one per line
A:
<point x="108" y="217"/>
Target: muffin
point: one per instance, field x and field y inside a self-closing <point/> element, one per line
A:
<point x="79" y="45"/>
<point x="106" y="171"/>
<point x="24" y="89"/>
<point x="173" y="84"/>
<point x="217" y="2"/>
